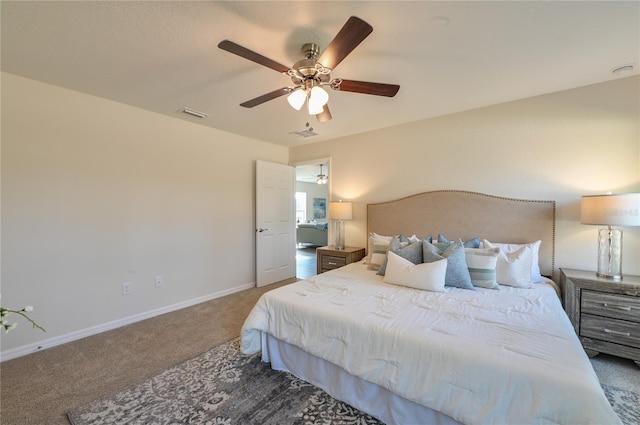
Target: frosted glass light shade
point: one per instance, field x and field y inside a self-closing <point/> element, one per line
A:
<point x="317" y="99"/>
<point x="296" y="99"/>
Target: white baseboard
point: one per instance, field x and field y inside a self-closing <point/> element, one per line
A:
<point x="94" y="330"/>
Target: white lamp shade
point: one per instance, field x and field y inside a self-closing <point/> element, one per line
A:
<point x="340" y="211"/>
<point x="317" y="99"/>
<point x="611" y="210"/>
<point x="296" y="99"/>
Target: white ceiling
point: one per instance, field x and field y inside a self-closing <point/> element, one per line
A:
<point x="446" y="56"/>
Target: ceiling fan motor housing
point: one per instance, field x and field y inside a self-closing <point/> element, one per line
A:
<point x="311" y="50"/>
<point x="308" y="72"/>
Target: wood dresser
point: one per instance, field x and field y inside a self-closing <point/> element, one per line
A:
<point x="605" y="313"/>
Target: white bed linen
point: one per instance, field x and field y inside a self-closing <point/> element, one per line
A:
<point x="364" y="395"/>
<point x="481" y="356"/>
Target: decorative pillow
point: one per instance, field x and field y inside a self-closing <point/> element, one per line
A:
<point x="427" y="238"/>
<point x="410" y="239"/>
<point x="381" y="243"/>
<point x="425" y="276"/>
<point x="512" y="247"/>
<point x="514" y="268"/>
<point x="457" y="271"/>
<point x="442" y="246"/>
<point x="481" y="263"/>
<point x="411" y="252"/>
<point x="471" y="243"/>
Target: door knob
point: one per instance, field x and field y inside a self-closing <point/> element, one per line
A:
<point x="262" y="230"/>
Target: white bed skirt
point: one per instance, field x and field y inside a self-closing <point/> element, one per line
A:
<point x="363" y="395"/>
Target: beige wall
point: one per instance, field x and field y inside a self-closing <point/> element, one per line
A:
<point x="554" y="147"/>
<point x="314" y="190"/>
<point x="97" y="193"/>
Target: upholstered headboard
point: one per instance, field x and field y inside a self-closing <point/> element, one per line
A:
<point x="465" y="215"/>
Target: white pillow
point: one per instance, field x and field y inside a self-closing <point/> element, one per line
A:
<point x="426" y="276"/>
<point x="378" y="246"/>
<point x="514" y="268"/>
<point x="481" y="263"/>
<point x="536" y="277"/>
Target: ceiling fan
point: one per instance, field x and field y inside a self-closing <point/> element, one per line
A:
<point x="311" y="73"/>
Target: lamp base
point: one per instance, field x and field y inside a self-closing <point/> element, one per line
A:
<point x="610" y="253"/>
<point x="339" y="235"/>
<point x="609" y="276"/>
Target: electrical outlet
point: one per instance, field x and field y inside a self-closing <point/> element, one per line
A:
<point x="158" y="281"/>
<point x="126" y="288"/>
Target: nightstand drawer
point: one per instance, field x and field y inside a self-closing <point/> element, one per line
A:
<point x="329" y="262"/>
<point x="611" y="305"/>
<point x="610" y="330"/>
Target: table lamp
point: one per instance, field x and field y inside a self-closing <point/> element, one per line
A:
<point x="339" y="212"/>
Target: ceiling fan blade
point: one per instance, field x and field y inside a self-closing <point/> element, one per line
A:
<point x="266" y="97"/>
<point x="365" y="87"/>
<point x="237" y="49"/>
<point x="354" y="31"/>
<point x="325" y="115"/>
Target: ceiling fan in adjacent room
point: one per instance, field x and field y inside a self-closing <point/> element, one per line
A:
<point x="311" y="73"/>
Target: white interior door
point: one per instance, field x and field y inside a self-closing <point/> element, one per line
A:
<point x="275" y="223"/>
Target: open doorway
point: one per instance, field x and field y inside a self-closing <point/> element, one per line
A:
<point x="312" y="218"/>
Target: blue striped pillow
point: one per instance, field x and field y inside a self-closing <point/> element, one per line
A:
<point x="482" y="266"/>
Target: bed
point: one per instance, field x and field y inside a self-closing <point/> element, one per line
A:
<point x="415" y="354"/>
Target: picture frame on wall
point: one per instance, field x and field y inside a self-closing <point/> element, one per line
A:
<point x="319" y="208"/>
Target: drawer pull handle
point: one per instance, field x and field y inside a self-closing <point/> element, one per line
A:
<point x="332" y="264"/>
<point x="612" y="332"/>
<point x="619" y="307"/>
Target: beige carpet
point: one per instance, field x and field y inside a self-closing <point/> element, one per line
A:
<point x="42" y="387"/>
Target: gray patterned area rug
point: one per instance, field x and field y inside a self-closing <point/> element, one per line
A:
<point x="625" y="403"/>
<point x="224" y="387"/>
<point x="221" y="387"/>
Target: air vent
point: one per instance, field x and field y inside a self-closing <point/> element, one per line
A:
<point x="307" y="132"/>
<point x="193" y="113"/>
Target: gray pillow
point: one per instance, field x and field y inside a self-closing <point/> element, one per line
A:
<point x="411" y="252"/>
<point x="471" y="243"/>
<point x="457" y="272"/>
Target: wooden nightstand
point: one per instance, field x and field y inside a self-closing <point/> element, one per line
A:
<point x="330" y="258"/>
<point x="604" y="313"/>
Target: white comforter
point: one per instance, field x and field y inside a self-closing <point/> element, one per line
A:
<point x="484" y="356"/>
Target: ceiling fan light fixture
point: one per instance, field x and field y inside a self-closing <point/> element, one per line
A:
<point x="314" y="109"/>
<point x="296" y="99"/>
<point x="322" y="178"/>
<point x="318" y="95"/>
<point x="317" y="99"/>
